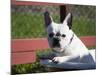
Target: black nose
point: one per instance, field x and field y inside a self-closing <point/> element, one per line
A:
<point x="56" y="42"/>
<point x="56" y="39"/>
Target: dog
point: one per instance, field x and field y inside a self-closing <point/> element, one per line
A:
<point x="65" y="45"/>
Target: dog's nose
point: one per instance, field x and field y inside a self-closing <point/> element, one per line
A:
<point x="56" y="39"/>
<point x="56" y="42"/>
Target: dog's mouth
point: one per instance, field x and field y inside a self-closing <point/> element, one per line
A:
<point x="58" y="49"/>
<point x="56" y="44"/>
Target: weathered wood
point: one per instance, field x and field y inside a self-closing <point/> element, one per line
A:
<point x="21" y="45"/>
<point x="62" y="12"/>
<point x="14" y="2"/>
<point x="27" y="45"/>
<point x="89" y="40"/>
<point x="24" y="50"/>
<point x="23" y="57"/>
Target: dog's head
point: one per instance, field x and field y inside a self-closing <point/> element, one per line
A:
<point x="59" y="35"/>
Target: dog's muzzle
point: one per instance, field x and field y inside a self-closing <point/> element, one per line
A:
<point x="56" y="42"/>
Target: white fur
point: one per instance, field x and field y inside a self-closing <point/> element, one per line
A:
<point x="76" y="51"/>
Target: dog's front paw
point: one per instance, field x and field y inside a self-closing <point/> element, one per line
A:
<point x="56" y="59"/>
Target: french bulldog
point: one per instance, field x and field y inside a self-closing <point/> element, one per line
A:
<point x="65" y="45"/>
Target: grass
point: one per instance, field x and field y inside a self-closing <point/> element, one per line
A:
<point x="26" y="25"/>
<point x="84" y="27"/>
<point x="28" y="68"/>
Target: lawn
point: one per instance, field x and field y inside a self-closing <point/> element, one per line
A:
<point x="28" y="25"/>
<point x="25" y="25"/>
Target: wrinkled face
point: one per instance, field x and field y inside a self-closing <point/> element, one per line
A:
<point x="58" y="34"/>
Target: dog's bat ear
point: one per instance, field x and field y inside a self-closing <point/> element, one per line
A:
<point x="68" y="20"/>
<point x="47" y="18"/>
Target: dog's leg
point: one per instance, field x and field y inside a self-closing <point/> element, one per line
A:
<point x="73" y="58"/>
<point x="50" y="56"/>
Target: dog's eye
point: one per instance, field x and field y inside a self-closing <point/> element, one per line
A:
<point x="63" y="35"/>
<point x="51" y="35"/>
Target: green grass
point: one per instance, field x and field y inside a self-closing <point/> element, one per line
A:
<point x="84" y="27"/>
<point x="29" y="68"/>
<point x="26" y="25"/>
